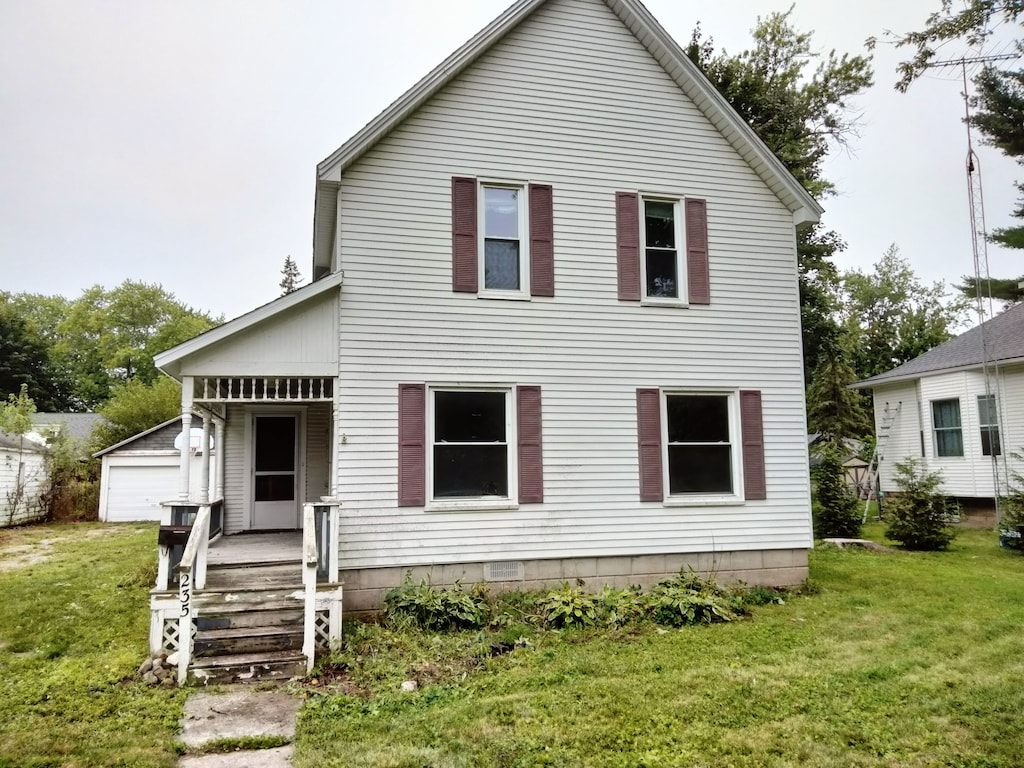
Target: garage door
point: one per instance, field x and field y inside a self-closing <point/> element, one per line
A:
<point x="135" y="485"/>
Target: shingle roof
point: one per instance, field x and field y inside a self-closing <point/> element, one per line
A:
<point x="1005" y="342"/>
<point x="77" y="426"/>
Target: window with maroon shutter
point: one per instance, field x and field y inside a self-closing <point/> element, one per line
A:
<point x="627" y="236"/>
<point x="698" y="279"/>
<point x="528" y="432"/>
<point x="654" y="264"/>
<point x="752" y="427"/>
<point x="412" y="470"/>
<point x="464" y="240"/>
<point x="648" y="418"/>
<point x="542" y="254"/>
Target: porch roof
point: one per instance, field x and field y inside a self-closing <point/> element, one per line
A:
<point x="170" y="361"/>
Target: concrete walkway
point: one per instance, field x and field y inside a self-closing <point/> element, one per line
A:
<point x="237" y="713"/>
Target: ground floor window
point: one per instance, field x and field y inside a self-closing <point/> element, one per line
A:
<point x="949" y="437"/>
<point x="988" y="421"/>
<point x="469" y="439"/>
<point x="700" y="444"/>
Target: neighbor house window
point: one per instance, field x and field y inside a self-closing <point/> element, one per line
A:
<point x="949" y="438"/>
<point x="469" y="439"/>
<point x="988" y="421"/>
<point x="503" y="260"/>
<point x="663" y="276"/>
<point x="699" y="445"/>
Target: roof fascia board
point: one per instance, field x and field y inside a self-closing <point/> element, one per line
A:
<point x="805" y="208"/>
<point x="873" y="382"/>
<point x="330" y="168"/>
<point x="213" y="336"/>
<point x="133" y="438"/>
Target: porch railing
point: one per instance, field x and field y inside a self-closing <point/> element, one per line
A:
<point x="191" y="575"/>
<point x="319" y="563"/>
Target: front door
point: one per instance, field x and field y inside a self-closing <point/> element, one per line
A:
<point x="275" y="503"/>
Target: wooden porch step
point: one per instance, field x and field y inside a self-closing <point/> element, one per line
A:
<point x="233" y="641"/>
<point x="256" y="617"/>
<point x="249" y="668"/>
<point x="253" y="578"/>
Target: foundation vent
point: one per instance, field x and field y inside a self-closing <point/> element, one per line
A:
<point x="503" y="571"/>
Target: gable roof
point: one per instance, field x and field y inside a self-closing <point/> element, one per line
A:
<point x="77" y="426"/>
<point x="647" y="31"/>
<point x="169" y="360"/>
<point x="1004" y="338"/>
<point x="133" y="438"/>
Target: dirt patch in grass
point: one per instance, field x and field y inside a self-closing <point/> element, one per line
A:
<point x="20" y="548"/>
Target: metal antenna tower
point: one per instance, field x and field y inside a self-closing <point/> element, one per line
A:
<point x="982" y="278"/>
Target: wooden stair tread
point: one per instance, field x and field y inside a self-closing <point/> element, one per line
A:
<point x="258" y="631"/>
<point x="248" y="659"/>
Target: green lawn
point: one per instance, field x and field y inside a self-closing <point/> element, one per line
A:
<point x="73" y="630"/>
<point x="890" y="660"/>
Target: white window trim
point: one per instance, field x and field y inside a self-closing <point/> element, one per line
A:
<point x="993" y="427"/>
<point x="523" y="294"/>
<point x="682" y="289"/>
<point x="935" y="429"/>
<point x="735" y="442"/>
<point x="490" y="503"/>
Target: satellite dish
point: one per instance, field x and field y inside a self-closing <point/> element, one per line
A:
<point x="195" y="440"/>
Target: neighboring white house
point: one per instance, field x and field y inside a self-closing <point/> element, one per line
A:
<point x="138" y="476"/>
<point x="23" y="477"/>
<point x="942" y="411"/>
<point x="554" y="331"/>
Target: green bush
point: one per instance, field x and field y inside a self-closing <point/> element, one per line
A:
<point x="1011" y="526"/>
<point x="920" y="516"/>
<point x="568" y="607"/>
<point x="436" y="608"/>
<point x="836" y="510"/>
<point x="691" y="599"/>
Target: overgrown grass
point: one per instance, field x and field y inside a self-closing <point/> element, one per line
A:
<point x="908" y="659"/>
<point x="73" y="630"/>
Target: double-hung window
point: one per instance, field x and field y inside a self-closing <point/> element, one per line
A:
<point x="469" y="444"/>
<point x="949" y="437"/>
<point x="504" y="257"/>
<point x="663" y="276"/>
<point x="700" y="444"/>
<point x="988" y="421"/>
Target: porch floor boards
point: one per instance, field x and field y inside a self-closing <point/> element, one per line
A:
<point x="249" y="548"/>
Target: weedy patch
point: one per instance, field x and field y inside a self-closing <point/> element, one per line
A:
<point x="883" y="659"/>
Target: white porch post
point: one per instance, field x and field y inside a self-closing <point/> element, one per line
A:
<point x="218" y="447"/>
<point x="186" y="427"/>
<point x="204" y="486"/>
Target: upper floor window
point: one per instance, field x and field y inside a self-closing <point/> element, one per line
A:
<point x="663" y="276"/>
<point x="949" y="438"/>
<point x="502" y="238"/>
<point x="505" y="252"/>
<point x="988" y="421"/>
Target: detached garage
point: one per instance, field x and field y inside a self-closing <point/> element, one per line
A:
<point x="140" y="474"/>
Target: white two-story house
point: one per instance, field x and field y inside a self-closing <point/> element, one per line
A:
<point x="553" y="335"/>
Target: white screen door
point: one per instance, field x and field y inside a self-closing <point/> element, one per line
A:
<point x="275" y="475"/>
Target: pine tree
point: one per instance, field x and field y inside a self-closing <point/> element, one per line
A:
<point x="290" y="276"/>
<point x="833" y="408"/>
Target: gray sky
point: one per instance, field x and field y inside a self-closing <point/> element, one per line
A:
<point x="176" y="143"/>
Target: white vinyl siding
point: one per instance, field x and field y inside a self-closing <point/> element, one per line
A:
<point x="33" y="477"/>
<point x="970" y="475"/>
<point x="235" y="472"/>
<point x="569" y="97"/>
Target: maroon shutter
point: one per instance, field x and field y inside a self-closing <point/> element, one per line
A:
<point x="464" y="240"/>
<point x="753" y="445"/>
<point x="648" y="424"/>
<point x="528" y="429"/>
<point x="542" y="253"/>
<point x="412" y="449"/>
<point x="627" y="243"/>
<point x="697" y="251"/>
